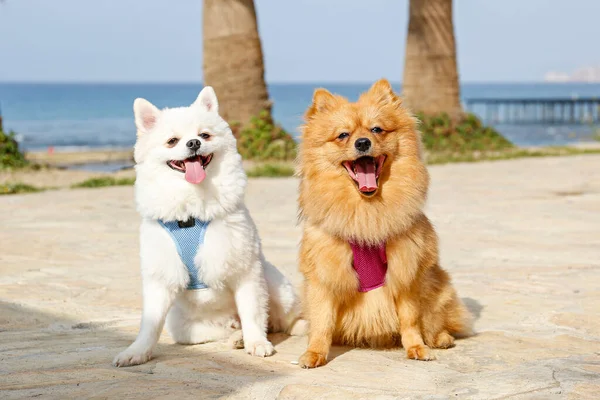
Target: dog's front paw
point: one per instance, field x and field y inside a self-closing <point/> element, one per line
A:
<point x="310" y="359"/>
<point x="419" y="352"/>
<point x="259" y="348"/>
<point x="132" y="356"/>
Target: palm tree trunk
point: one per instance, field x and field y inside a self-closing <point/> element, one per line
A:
<point x="430" y="83"/>
<point x="233" y="59"/>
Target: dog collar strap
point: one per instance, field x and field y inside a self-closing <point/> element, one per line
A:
<point x="370" y="264"/>
<point x="188" y="236"/>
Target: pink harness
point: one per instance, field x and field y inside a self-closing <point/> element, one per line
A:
<point x="370" y="263"/>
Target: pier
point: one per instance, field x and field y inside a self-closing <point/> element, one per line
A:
<point x="536" y="111"/>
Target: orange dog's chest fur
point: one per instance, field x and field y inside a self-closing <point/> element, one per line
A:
<point x="355" y="310"/>
<point x="369" y="319"/>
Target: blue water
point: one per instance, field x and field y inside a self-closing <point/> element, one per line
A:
<point x="100" y="115"/>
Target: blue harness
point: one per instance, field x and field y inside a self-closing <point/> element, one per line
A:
<point x="188" y="236"/>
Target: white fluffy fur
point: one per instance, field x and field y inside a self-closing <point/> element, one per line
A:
<point x="244" y="289"/>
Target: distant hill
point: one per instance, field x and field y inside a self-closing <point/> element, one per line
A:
<point x="588" y="74"/>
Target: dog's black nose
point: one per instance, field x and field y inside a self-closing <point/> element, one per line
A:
<point x="362" y="144"/>
<point x="193" y="144"/>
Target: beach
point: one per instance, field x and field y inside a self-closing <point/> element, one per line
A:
<point x="520" y="238"/>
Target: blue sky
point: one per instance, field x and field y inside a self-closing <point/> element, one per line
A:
<point x="303" y="40"/>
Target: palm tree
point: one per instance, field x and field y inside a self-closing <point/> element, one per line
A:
<point x="430" y="83"/>
<point x="233" y="59"/>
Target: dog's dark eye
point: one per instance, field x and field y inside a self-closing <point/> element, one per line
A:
<point x="204" y="135"/>
<point x="173" y="141"/>
<point x="343" y="135"/>
<point x="376" y="129"/>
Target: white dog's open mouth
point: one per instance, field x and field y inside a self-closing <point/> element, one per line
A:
<point x="192" y="167"/>
<point x="365" y="172"/>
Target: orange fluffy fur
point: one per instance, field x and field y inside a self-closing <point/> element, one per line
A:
<point x="417" y="307"/>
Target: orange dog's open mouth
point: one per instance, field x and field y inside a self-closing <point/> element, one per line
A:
<point x="192" y="167"/>
<point x="365" y="172"/>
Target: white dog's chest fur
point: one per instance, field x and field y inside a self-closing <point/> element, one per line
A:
<point x="229" y="244"/>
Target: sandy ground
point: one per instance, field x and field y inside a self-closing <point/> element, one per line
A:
<point x="520" y="238"/>
<point x="57" y="178"/>
<point x="60" y="157"/>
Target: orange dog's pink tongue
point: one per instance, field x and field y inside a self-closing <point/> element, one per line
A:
<point x="365" y="175"/>
<point x="194" y="170"/>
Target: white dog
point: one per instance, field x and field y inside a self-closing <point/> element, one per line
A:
<point x="202" y="265"/>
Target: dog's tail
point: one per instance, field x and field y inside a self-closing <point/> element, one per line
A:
<point x="285" y="311"/>
<point x="460" y="321"/>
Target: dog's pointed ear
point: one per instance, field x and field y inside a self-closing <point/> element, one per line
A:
<point x="146" y="115"/>
<point x="383" y="93"/>
<point x="322" y="100"/>
<point x="207" y="100"/>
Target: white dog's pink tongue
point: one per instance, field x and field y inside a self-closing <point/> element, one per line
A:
<point x="194" y="170"/>
<point x="365" y="175"/>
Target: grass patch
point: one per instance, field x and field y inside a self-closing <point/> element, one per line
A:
<point x="434" y="158"/>
<point x="10" y="155"/>
<point x="442" y="134"/>
<point x="104" y="181"/>
<point x="17" y="188"/>
<point x="270" y="170"/>
<point x="263" y="140"/>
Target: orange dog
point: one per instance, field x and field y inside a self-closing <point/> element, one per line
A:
<point x="369" y="255"/>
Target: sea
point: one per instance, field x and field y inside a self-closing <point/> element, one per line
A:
<point x="78" y="116"/>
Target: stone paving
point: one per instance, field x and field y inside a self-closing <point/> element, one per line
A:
<point x="521" y="239"/>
